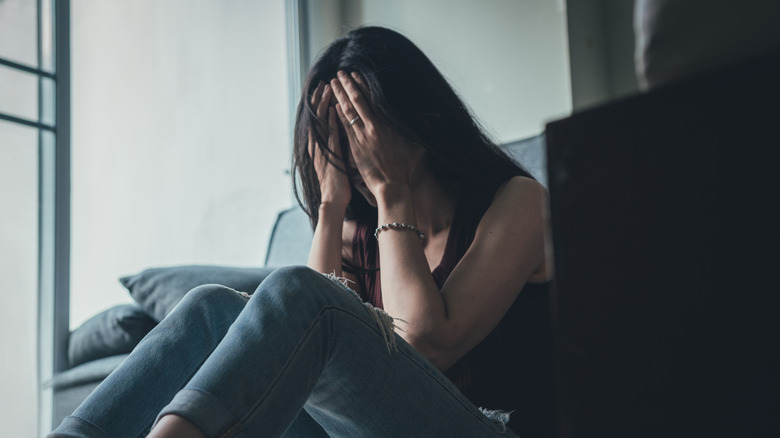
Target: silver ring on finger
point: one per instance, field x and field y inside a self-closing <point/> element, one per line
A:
<point x="352" y="122"/>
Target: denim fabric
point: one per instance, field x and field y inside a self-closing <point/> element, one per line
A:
<point x="246" y="368"/>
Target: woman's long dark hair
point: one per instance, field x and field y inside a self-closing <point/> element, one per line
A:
<point x="408" y="93"/>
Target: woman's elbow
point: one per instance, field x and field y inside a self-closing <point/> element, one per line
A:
<point x="442" y="351"/>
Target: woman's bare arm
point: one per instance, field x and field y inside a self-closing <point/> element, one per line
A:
<point x="335" y="192"/>
<point x="507" y="251"/>
<point x="326" y="247"/>
<point x="332" y="243"/>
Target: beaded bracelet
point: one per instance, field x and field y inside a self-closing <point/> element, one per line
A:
<point x="397" y="226"/>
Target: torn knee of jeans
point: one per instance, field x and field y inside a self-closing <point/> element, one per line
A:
<point x="344" y="281"/>
<point x="383" y="320"/>
<point x="243" y="294"/>
<point x="386" y="325"/>
<point x="497" y="415"/>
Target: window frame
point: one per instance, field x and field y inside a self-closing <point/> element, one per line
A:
<point x="53" y="298"/>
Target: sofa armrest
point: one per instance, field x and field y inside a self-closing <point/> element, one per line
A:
<point x="290" y="239"/>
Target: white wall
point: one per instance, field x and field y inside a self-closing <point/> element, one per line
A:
<point x="180" y="138"/>
<point x="508" y="59"/>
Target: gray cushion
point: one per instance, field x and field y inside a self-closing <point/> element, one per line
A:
<point x="113" y="331"/>
<point x="158" y="290"/>
<point x="531" y="154"/>
<point x="86" y="373"/>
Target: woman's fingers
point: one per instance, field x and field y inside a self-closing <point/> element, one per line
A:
<point x="345" y="122"/>
<point x="324" y="103"/>
<point x="315" y="100"/>
<point x="320" y="100"/>
<point x="334" y="132"/>
<point x="352" y="100"/>
<point x="345" y="109"/>
<point x="361" y="83"/>
<point x="312" y="145"/>
<point x="356" y="93"/>
<point x="333" y="121"/>
<point x="317" y="94"/>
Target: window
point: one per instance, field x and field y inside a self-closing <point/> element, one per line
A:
<point x="34" y="182"/>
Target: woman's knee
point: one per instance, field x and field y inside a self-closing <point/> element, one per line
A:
<point x="212" y="298"/>
<point x="295" y="280"/>
<point x="301" y="286"/>
<point x="289" y="275"/>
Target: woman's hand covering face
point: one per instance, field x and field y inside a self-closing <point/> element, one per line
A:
<point x="334" y="184"/>
<point x="381" y="155"/>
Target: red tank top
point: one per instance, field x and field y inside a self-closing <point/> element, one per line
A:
<point x="511" y="369"/>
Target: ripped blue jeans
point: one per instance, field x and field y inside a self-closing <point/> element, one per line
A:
<point x="303" y="357"/>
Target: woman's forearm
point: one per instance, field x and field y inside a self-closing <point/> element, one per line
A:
<point x="325" y="253"/>
<point x="409" y="292"/>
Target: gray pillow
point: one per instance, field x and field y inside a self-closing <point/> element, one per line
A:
<point x="113" y="331"/>
<point x="158" y="290"/>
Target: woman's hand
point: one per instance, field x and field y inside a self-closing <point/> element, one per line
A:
<point x="383" y="158"/>
<point x="334" y="183"/>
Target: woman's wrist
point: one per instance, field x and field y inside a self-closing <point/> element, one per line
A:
<point x="333" y="208"/>
<point x="390" y="194"/>
<point x="331" y="213"/>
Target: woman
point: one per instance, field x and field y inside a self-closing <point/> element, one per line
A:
<point x="390" y="162"/>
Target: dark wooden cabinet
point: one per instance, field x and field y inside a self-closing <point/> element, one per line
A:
<point x="665" y="218"/>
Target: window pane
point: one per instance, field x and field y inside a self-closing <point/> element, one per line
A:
<point x="19" y="271"/>
<point x="19" y="91"/>
<point x="19" y="31"/>
<point x="47" y="36"/>
<point x="47" y="101"/>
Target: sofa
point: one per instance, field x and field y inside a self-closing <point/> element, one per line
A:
<point x="99" y="345"/>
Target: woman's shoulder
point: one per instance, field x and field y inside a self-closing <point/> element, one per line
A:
<point x="500" y="202"/>
<point x="520" y="181"/>
<point x="520" y="192"/>
<point x="517" y="214"/>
